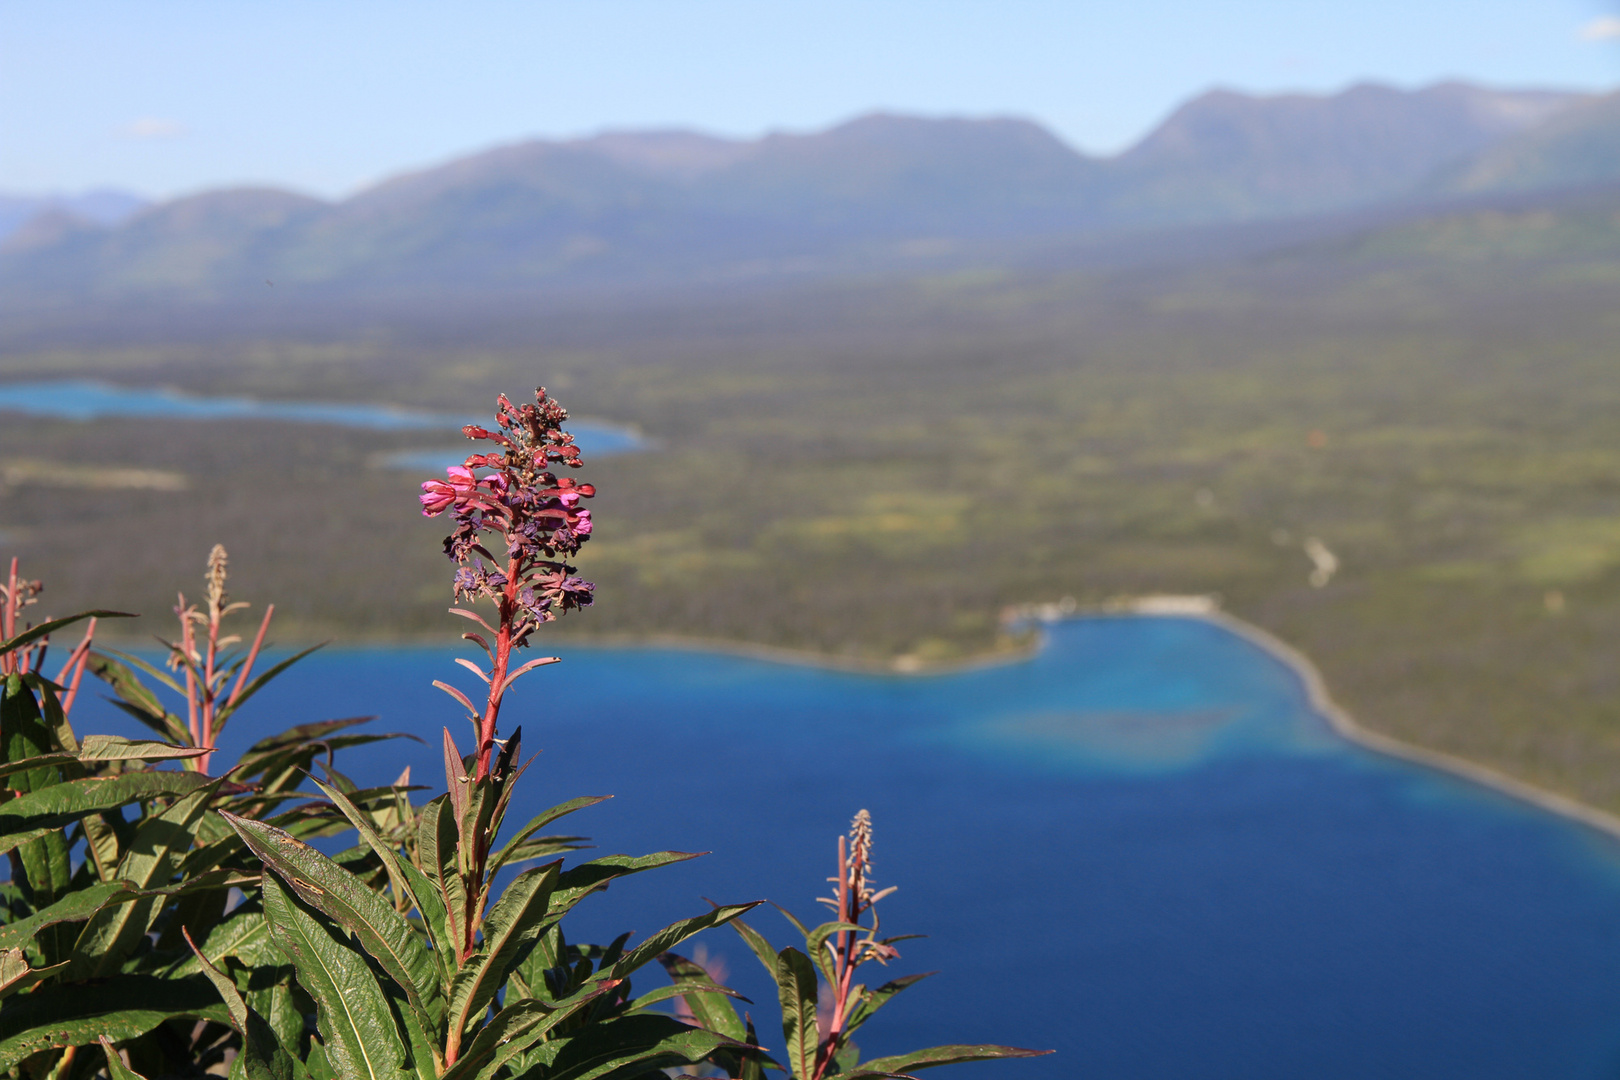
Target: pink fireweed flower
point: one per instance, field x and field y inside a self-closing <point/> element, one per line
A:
<point x="515" y="528"/>
<point x="462" y="490"/>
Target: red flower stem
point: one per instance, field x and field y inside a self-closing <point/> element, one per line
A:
<point x="8" y="620"/>
<point x="497" y="676"/>
<point x="10" y="630"/>
<point x="73" y="670"/>
<point x="207" y="725"/>
<point x="188" y="643"/>
<point x="253" y="654"/>
<point x="843" y="968"/>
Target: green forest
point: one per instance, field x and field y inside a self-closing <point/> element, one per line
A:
<point x="875" y="471"/>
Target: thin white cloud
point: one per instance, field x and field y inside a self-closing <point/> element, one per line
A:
<point x="153" y="127"/>
<point x="1603" y="28"/>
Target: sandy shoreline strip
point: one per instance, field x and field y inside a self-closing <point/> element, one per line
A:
<point x="1347" y="727"/>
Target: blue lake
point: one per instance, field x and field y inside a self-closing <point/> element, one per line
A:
<point x="77" y="399"/>
<point x="1141" y="848"/>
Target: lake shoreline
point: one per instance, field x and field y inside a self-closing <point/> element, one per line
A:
<point x="1351" y="730"/>
<point x="1321" y="700"/>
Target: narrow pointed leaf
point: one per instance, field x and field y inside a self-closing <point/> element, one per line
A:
<point x="586" y="878"/>
<point x="116" y="1069"/>
<point x="16" y="975"/>
<point x="940" y="1055"/>
<point x="338" y="894"/>
<point x="264" y="1058"/>
<point x="682" y="990"/>
<point x="39" y="812"/>
<point x="646" y="1042"/>
<point x="113" y="748"/>
<point x="815" y="945"/>
<point x="251" y="763"/>
<point x="134" y="697"/>
<point x="76" y="906"/>
<point x="258" y="682"/>
<point x="673" y="934"/>
<point x="455" y="776"/>
<point x="797" y="988"/>
<point x="368" y="835"/>
<point x="707" y="1000"/>
<point x="244" y="934"/>
<point x="151" y="861"/>
<point x="352" y="1011"/>
<point x="436" y="847"/>
<point x="757" y="944"/>
<point x="515" y="1029"/>
<point x="874" y="1000"/>
<point x="34" y="633"/>
<point x="122" y="1007"/>
<point x="513" y="924"/>
<point x="98" y="659"/>
<point x="538" y="822"/>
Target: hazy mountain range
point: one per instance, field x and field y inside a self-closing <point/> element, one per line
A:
<point x="876" y="191"/>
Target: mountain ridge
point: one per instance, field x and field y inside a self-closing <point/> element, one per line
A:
<point x="873" y="191"/>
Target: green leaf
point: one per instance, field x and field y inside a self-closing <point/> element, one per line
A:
<point x="76" y="906"/>
<point x="97" y="748"/>
<point x="648" y="1042"/>
<point x="43" y="761"/>
<point x="516" y="920"/>
<point x="264" y="1057"/>
<point x="586" y="878"/>
<point x="160" y="674"/>
<point x="797" y="988"/>
<point x="116" y="1069"/>
<point x="122" y="1007"/>
<point x="134" y="697"/>
<point x="16" y="975"/>
<point x="352" y="1011"/>
<point x="436" y="923"/>
<point x="544" y="847"/>
<point x="516" y="1028"/>
<point x="455" y="777"/>
<point x="257" y="683"/>
<point x="538" y="822"/>
<point x="390" y="858"/>
<point x="673" y="935"/>
<point x="23" y="734"/>
<point x="154" y="855"/>
<point x="757" y="945"/>
<point x="707" y="1000"/>
<point x="34" y="633"/>
<point x="244" y="934"/>
<point x="338" y="894"/>
<point x="436" y="848"/>
<point x="39" y="812"/>
<point x="681" y="990"/>
<point x="873" y="1000"/>
<point x="938" y="1055"/>
<point x="113" y="748"/>
<point x="294" y="736"/>
<point x="815" y="945"/>
<point x="287" y="768"/>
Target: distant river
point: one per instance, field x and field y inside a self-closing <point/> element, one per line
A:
<point x="1141" y="848"/>
<point x="77" y="399"/>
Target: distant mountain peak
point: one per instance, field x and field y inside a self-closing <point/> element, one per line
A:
<point x="874" y="190"/>
<point x="683" y="155"/>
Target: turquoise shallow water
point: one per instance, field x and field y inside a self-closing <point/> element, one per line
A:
<point x="1140" y="847"/>
<point x="78" y="399"/>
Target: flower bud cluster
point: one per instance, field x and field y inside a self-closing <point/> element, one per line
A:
<point x="516" y="522"/>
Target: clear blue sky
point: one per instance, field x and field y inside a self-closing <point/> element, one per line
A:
<point x="169" y="96"/>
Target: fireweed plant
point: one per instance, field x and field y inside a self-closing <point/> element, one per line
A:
<point x="162" y="922"/>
